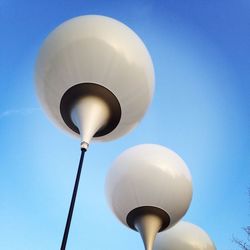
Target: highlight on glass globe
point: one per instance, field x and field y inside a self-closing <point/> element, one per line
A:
<point x="149" y="189"/>
<point x="184" y="235"/>
<point x="94" y="78"/>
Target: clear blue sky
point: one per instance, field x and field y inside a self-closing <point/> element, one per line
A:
<point x="201" y="110"/>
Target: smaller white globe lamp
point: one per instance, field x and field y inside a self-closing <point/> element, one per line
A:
<point x="184" y="236"/>
<point x="149" y="189"/>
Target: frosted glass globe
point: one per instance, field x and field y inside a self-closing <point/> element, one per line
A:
<point x="96" y="50"/>
<point x="149" y="175"/>
<point x="182" y="236"/>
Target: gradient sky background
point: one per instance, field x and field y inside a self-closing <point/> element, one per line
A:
<point x="201" y="110"/>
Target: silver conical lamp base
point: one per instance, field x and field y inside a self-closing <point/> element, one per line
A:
<point x="148" y="226"/>
<point x="90" y="110"/>
<point x="89" y="114"/>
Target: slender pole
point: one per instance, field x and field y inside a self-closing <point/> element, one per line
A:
<point x="73" y="199"/>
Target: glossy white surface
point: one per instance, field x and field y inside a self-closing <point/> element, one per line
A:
<point x="149" y="175"/>
<point x="184" y="236"/>
<point x="100" y="50"/>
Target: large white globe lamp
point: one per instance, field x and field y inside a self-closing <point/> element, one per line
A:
<point x="149" y="189"/>
<point x="94" y="78"/>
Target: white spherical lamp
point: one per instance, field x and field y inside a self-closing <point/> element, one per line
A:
<point x="184" y="235"/>
<point x="149" y="189"/>
<point x="94" y="78"/>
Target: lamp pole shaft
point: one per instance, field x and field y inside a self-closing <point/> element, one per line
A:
<point x="72" y="203"/>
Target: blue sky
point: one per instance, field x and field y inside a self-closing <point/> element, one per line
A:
<point x="201" y="110"/>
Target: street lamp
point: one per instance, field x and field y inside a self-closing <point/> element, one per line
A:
<point x="184" y="235"/>
<point x="149" y="189"/>
<point x="95" y="79"/>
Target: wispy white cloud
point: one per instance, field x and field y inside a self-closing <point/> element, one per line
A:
<point x="22" y="112"/>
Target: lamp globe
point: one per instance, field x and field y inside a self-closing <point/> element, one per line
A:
<point x="94" y="78"/>
<point x="184" y="235"/>
<point x="149" y="189"/>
